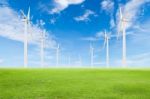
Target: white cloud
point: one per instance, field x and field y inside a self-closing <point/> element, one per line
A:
<point x="11" y="27"/>
<point x="107" y="5"/>
<point x="85" y="16"/>
<point x="61" y="5"/>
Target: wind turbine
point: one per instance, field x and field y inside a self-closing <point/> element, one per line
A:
<point x="123" y="29"/>
<point x="26" y="20"/>
<point x="57" y="55"/>
<point x="42" y="48"/>
<point x="106" y="43"/>
<point x="91" y="54"/>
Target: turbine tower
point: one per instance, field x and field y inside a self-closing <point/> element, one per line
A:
<point x="26" y="20"/>
<point x="123" y="30"/>
<point x="42" y="48"/>
<point x="91" y="54"/>
<point x="106" y="43"/>
<point x="57" y="55"/>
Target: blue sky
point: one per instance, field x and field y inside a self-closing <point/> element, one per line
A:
<point x="74" y="24"/>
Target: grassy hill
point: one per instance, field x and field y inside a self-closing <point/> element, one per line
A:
<point x="74" y="84"/>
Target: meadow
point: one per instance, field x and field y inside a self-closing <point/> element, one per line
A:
<point x="74" y="84"/>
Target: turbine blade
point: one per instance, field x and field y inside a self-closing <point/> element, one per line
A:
<point x="22" y="13"/>
<point x="104" y="44"/>
<point x="120" y="22"/>
<point x="120" y="13"/>
<point x="30" y="31"/>
<point x="28" y="16"/>
<point x="119" y="30"/>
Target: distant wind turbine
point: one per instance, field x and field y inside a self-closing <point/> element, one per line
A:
<point x="42" y="48"/>
<point x="91" y="54"/>
<point x="123" y="29"/>
<point x="26" y="20"/>
<point x="106" y="43"/>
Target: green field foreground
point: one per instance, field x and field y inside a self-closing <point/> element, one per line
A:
<point x="74" y="84"/>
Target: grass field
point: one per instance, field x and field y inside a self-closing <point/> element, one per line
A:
<point x="74" y="84"/>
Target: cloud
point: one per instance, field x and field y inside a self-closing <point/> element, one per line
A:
<point x="107" y="5"/>
<point x="60" y="5"/>
<point x="85" y="16"/>
<point x="12" y="27"/>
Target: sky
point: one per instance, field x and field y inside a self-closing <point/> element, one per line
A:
<point x="75" y="25"/>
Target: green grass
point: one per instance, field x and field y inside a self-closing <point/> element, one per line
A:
<point x="74" y="84"/>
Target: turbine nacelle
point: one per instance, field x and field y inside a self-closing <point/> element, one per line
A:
<point x="106" y="38"/>
<point x="26" y="18"/>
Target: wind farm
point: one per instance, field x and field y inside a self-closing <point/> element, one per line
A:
<point x="122" y="23"/>
<point x="74" y="49"/>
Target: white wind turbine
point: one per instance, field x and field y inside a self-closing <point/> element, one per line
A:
<point x="26" y="20"/>
<point x="57" y="55"/>
<point x="91" y="55"/>
<point x="42" y="48"/>
<point x="106" y="43"/>
<point x="123" y="22"/>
